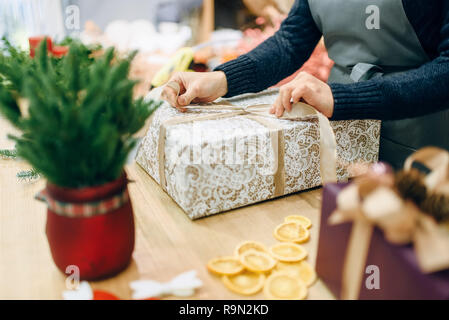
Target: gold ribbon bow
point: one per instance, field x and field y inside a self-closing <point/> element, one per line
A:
<point x="260" y="113"/>
<point x="400" y="220"/>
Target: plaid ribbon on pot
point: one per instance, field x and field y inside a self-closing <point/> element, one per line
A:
<point x="84" y="209"/>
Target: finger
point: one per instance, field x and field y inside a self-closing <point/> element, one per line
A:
<point x="172" y="89"/>
<point x="170" y="95"/>
<point x="286" y="98"/>
<point x="190" y="94"/>
<point x="177" y="81"/>
<point x="279" y="110"/>
<point x="280" y="105"/>
<point x="275" y="105"/>
<point x="298" y="94"/>
<point x="174" y="85"/>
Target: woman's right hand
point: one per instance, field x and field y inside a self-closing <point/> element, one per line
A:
<point x="196" y="87"/>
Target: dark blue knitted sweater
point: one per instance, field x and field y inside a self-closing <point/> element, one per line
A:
<point x="414" y="93"/>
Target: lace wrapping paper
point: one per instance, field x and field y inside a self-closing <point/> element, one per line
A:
<point x="202" y="188"/>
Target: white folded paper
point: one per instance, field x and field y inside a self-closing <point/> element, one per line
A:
<point x="83" y="292"/>
<point x="183" y="285"/>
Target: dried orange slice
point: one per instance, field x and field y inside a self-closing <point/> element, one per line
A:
<point x="291" y="232"/>
<point x="225" y="266"/>
<point x="246" y="283"/>
<point x="257" y="261"/>
<point x="301" y="270"/>
<point x="291" y="268"/>
<point x="304" y="221"/>
<point x="249" y="245"/>
<point x="307" y="273"/>
<point x="288" y="252"/>
<point x="283" y="286"/>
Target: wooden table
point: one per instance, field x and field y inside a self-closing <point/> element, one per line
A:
<point x="167" y="241"/>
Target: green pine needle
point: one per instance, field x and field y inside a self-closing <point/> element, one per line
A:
<point x="8" y="154"/>
<point x="28" y="175"/>
<point x="82" y="115"/>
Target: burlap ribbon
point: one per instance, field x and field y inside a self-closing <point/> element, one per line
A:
<point x="260" y="113"/>
<point x="402" y="223"/>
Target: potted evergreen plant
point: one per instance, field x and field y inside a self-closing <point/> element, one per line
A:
<point x="77" y="116"/>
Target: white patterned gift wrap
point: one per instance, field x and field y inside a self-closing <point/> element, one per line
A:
<point x="205" y="188"/>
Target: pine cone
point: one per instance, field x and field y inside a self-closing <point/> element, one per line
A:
<point x="410" y="185"/>
<point x="437" y="205"/>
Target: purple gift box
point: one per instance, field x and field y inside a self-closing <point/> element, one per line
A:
<point x="399" y="273"/>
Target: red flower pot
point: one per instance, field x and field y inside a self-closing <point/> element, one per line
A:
<point x="100" y="245"/>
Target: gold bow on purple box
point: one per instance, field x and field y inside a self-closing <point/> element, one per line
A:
<point x="373" y="202"/>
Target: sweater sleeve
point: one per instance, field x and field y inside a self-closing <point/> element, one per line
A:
<point x="277" y="57"/>
<point x="410" y="94"/>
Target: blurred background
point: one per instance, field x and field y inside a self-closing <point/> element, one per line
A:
<point x="170" y="35"/>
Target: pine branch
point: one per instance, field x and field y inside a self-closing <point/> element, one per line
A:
<point x="28" y="175"/>
<point x="82" y="115"/>
<point x="7" y="154"/>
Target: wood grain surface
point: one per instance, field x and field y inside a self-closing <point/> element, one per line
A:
<point x="167" y="241"/>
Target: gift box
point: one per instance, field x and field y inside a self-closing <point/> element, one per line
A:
<point x="214" y="159"/>
<point x="397" y="268"/>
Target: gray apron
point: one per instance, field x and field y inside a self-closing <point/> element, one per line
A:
<point x="363" y="50"/>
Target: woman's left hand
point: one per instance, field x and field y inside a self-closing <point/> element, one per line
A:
<point x="307" y="88"/>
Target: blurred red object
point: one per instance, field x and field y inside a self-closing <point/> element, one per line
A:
<point x="228" y="55"/>
<point x="103" y="295"/>
<point x="35" y="41"/>
<point x="101" y="245"/>
<point x="59" y="51"/>
<point x="319" y="64"/>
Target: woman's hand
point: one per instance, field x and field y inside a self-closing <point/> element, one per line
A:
<point x="307" y="88"/>
<point x="195" y="87"/>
